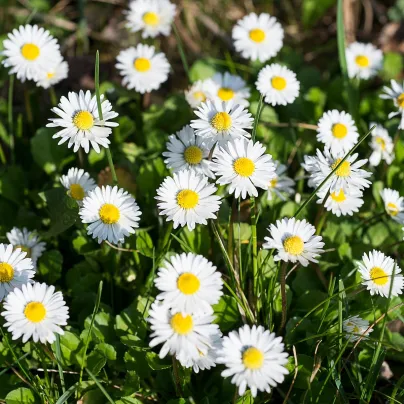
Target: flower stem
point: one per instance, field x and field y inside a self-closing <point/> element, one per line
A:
<point x="254" y="246"/>
<point x="177" y="379"/>
<point x="283" y="294"/>
<point x="52" y="95"/>
<point x="10" y="117"/>
<point x="181" y="51"/>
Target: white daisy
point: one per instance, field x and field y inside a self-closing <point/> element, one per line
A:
<point x="28" y="241"/>
<point x="337" y="130"/>
<point x="355" y="328"/>
<point x="231" y="87"/>
<point x="255" y="358"/>
<point x="189" y="284"/>
<point x="382" y="146"/>
<point x="222" y="121"/>
<point x="342" y="203"/>
<point x="186" y="151"/>
<point x="35" y="311"/>
<point x="294" y="240"/>
<point x="363" y="60"/>
<point x="29" y="51"/>
<point x="395" y="93"/>
<point x="277" y="84"/>
<point x="280" y="184"/>
<point x="376" y="271"/>
<point x="394" y="204"/>
<point x="200" y="91"/>
<point x="82" y="126"/>
<point x="152" y="17"/>
<point x="243" y="165"/>
<point x="187" y="199"/>
<point x="258" y="37"/>
<point x="78" y="183"/>
<point x="15" y="269"/>
<point x="142" y="68"/>
<point x="113" y="214"/>
<point x="180" y="333"/>
<point x="53" y="74"/>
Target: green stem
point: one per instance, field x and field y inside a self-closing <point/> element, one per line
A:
<point x="181" y="51"/>
<point x="59" y="362"/>
<point x="257" y="117"/>
<point x="254" y="246"/>
<point x="52" y="95"/>
<point x="177" y="379"/>
<point x="230" y="236"/>
<point x="10" y="117"/>
<point x="283" y="295"/>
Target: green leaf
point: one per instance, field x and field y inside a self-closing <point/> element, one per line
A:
<point x="313" y="10"/>
<point x="21" y="395"/>
<point x="156" y="363"/>
<point x="144" y="244"/>
<point x="392" y="65"/>
<point x="12" y="184"/>
<point x="247" y="398"/>
<point x="227" y="313"/>
<point x="128" y="400"/>
<point x="50" y="266"/>
<point x="103" y="329"/>
<point x="201" y="70"/>
<point x="96" y="361"/>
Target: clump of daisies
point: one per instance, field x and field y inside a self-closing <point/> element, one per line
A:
<point x="363" y="60"/>
<point x="355" y="328"/>
<point x="382" y="146"/>
<point x="396" y="93"/>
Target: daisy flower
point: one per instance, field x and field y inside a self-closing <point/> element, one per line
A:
<point x="200" y="91"/>
<point x="78" y="116"/>
<point x="337" y="131"/>
<point x="180" y="333"/>
<point x="189" y="283"/>
<point x="342" y="203"/>
<point x="376" y="271"/>
<point x="258" y="37"/>
<point x="152" y="17"/>
<point x="280" y="184"/>
<point x="394" y="204"/>
<point x="78" y="183"/>
<point x="278" y="85"/>
<point x="382" y="146"/>
<point x="395" y="93"/>
<point x="28" y="241"/>
<point x="222" y="121"/>
<point x="113" y="214"/>
<point x="355" y="327"/>
<point x="243" y="165"/>
<point x="294" y="240"/>
<point x="142" y="68"/>
<point x="35" y="311"/>
<point x="363" y="60"/>
<point x="231" y="87"/>
<point x="187" y="199"/>
<point x="186" y="151"/>
<point x="54" y="74"/>
<point x="255" y="358"/>
<point x="15" y="269"/>
<point x="29" y="51"/>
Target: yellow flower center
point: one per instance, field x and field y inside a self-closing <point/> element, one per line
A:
<point x="362" y="61"/>
<point x="381" y="142"/>
<point x="253" y="358"/>
<point x="200" y="95"/>
<point x="181" y="325"/>
<point x="244" y="166"/>
<point x="151" y="18"/>
<point x="83" y="120"/>
<point x="225" y="93"/>
<point x="50" y="75"/>
<point x="30" y="51"/>
<point x="221" y="121"/>
<point x="339" y="130"/>
<point x="109" y="214"/>
<point x="188" y="283"/>
<point x="356" y="330"/>
<point x="278" y="83"/>
<point x="193" y="155"/>
<point x="77" y="192"/>
<point x="257" y="35"/>
<point x="378" y="276"/>
<point x="35" y="312"/>
<point x="25" y="249"/>
<point x="6" y="272"/>
<point x="187" y="199"/>
<point x="273" y="183"/>
<point x="344" y="169"/>
<point x="392" y="209"/>
<point x="340" y="197"/>
<point x="400" y="100"/>
<point x="142" y="64"/>
<point x="293" y="245"/>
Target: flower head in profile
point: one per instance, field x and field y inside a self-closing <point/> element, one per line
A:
<point x="382" y="146"/>
<point x="395" y="93"/>
<point x="229" y="87"/>
<point x="78" y="183"/>
<point x="54" y="74"/>
<point x="341" y="203"/>
<point x="394" y="204"/>
<point x="281" y="184"/>
<point x="200" y="91"/>
<point x="363" y="60"/>
<point x="355" y="328"/>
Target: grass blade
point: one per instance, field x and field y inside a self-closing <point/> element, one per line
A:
<point x="99" y="385"/>
<point x="66" y="395"/>
<point x="59" y="361"/>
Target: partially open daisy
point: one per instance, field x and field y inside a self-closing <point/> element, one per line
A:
<point x="189" y="283"/>
<point x="337" y="130"/>
<point x="244" y="165"/>
<point x="377" y="274"/>
<point x="112" y="213"/>
<point x="15" y="269"/>
<point x="78" y="116"/>
<point x="222" y="121"/>
<point x="54" y="74"/>
<point x="278" y="84"/>
<point x="255" y="358"/>
<point x="231" y="87"/>
<point x="28" y="241"/>
<point x="186" y="151"/>
<point x="394" y="204"/>
<point x="36" y="311"/>
<point x="342" y="203"/>
<point x="355" y="328"/>
<point x="78" y="183"/>
<point x="382" y="146"/>
<point x="152" y="17"/>
<point x="363" y="60"/>
<point x="29" y="51"/>
<point x="142" y="68"/>
<point x="200" y="91"/>
<point x="395" y="93"/>
<point x="258" y="37"/>
<point x="280" y="184"/>
<point x="187" y="199"/>
<point x="180" y="333"/>
<point x="295" y="241"/>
